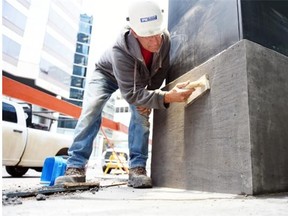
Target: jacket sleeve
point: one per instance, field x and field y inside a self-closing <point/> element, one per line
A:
<point x="125" y="69"/>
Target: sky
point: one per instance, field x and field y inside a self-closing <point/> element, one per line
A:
<point x="109" y="18"/>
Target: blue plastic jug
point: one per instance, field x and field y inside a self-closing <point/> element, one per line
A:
<point x="53" y="167"/>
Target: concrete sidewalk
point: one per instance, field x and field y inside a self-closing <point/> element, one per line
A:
<point x="157" y="201"/>
<point x="123" y="200"/>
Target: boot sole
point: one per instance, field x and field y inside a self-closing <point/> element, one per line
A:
<point x="139" y="184"/>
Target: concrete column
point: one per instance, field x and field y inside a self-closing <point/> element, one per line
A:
<point x="234" y="139"/>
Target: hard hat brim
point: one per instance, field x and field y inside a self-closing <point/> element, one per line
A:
<point x="149" y="33"/>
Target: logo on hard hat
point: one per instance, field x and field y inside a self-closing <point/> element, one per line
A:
<point x="148" y="19"/>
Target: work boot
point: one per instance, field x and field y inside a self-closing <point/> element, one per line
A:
<point x="138" y="178"/>
<point x="72" y="175"/>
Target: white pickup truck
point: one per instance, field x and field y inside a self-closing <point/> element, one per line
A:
<point x="26" y="148"/>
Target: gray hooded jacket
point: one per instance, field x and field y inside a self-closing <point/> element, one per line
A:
<point x="138" y="85"/>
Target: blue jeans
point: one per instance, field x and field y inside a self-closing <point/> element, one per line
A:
<point x="97" y="92"/>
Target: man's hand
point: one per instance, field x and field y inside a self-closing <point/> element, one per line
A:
<point x="179" y="93"/>
<point x="144" y="110"/>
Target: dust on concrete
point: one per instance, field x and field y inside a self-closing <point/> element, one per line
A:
<point x="16" y="194"/>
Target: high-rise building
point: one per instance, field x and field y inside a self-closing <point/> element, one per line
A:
<point x="39" y="40"/>
<point x="46" y="46"/>
<point x="79" y="73"/>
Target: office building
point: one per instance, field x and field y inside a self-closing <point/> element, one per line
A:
<point x="45" y="44"/>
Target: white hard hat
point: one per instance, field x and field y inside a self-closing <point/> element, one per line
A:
<point x="145" y="18"/>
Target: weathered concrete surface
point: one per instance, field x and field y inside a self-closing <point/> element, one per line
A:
<point x="268" y="114"/>
<point x="233" y="139"/>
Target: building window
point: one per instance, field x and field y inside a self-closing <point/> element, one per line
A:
<point x="64" y="28"/>
<point x="67" y="122"/>
<point x="54" y="74"/>
<point x="80" y="71"/>
<point x="86" y="19"/>
<point x="76" y="93"/>
<point x="10" y="50"/>
<point x="58" y="49"/>
<point x="122" y="110"/>
<point x="82" y="48"/>
<point x="25" y="3"/>
<point x="85" y="28"/>
<point x="13" y="19"/>
<point x="78" y="82"/>
<point x="80" y="59"/>
<point x="84" y="38"/>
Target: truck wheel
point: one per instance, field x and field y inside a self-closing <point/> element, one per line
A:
<point x="16" y="171"/>
<point x="38" y="169"/>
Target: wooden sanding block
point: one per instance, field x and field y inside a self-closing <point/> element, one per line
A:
<point x="201" y="86"/>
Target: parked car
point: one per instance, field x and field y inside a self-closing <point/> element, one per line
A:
<point x="24" y="147"/>
<point x="115" y="158"/>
